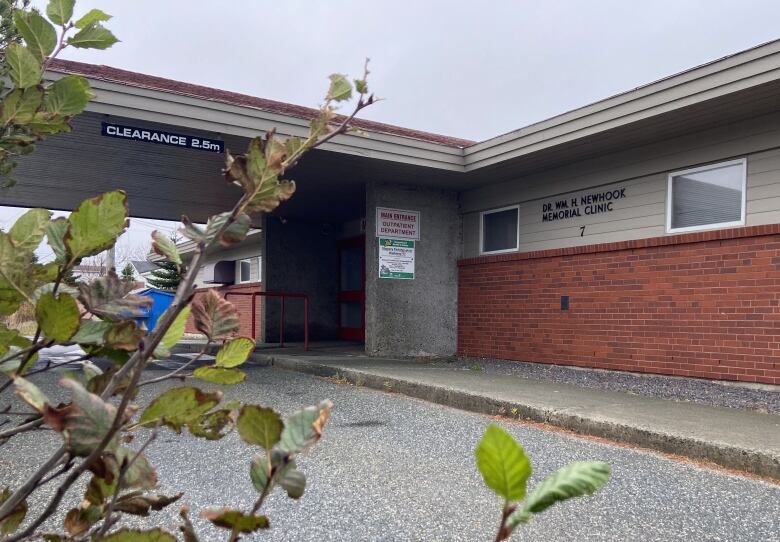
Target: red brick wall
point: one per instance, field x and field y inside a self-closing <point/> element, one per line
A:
<point x="702" y="304"/>
<point x="243" y="304"/>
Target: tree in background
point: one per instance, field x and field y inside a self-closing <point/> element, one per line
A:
<point x="8" y="32"/>
<point x="128" y="272"/>
<point x="167" y="276"/>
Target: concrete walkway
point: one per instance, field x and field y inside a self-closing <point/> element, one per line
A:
<point x="740" y="439"/>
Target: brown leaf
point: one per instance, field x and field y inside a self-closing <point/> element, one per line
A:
<point x="109" y="298"/>
<point x="186" y="528"/>
<point x="78" y="520"/>
<point x="139" y="505"/>
<point x="124" y="336"/>
<point x="215" y="317"/>
<point x="85" y="421"/>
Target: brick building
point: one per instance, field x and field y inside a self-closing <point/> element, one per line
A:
<point x="639" y="233"/>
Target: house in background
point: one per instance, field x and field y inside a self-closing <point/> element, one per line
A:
<point x="143" y="269"/>
<point x="86" y="272"/>
<point x="234" y="271"/>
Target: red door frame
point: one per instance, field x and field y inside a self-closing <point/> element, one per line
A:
<point x="359" y="296"/>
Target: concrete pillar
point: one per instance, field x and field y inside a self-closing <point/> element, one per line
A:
<point x="415" y="317"/>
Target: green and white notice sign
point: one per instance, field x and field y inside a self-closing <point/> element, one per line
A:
<point x="396" y="259"/>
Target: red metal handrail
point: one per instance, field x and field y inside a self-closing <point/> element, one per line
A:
<point x="283" y="296"/>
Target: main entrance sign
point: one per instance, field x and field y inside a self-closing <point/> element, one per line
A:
<point x="397" y="223"/>
<point x="163" y="138"/>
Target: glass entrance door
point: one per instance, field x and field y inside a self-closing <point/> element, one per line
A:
<point x="352" y="289"/>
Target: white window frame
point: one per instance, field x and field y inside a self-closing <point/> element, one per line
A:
<point x="238" y="270"/>
<point x="716" y="165"/>
<point x="482" y="230"/>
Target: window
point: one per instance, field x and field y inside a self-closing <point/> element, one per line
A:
<point x="706" y="197"/>
<point x="500" y="230"/>
<point x="248" y="270"/>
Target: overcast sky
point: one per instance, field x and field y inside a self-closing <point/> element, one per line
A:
<point x="468" y="69"/>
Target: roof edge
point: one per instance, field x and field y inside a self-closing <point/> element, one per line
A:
<point x="153" y="82"/>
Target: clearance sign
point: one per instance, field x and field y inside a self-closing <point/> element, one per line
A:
<point x="397" y="223"/>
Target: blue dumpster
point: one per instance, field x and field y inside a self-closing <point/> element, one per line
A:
<point x="161" y="300"/>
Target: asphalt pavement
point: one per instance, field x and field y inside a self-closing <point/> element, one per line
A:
<point x="395" y="468"/>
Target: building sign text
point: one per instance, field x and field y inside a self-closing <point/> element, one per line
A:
<point x="397" y="223"/>
<point x="163" y="138"/>
<point x="583" y="205"/>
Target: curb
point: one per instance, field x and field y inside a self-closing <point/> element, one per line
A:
<point x="756" y="462"/>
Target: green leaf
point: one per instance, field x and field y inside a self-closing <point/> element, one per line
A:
<point x="23" y="67"/>
<point x="219" y="375"/>
<point x="68" y="96"/>
<point x="15" y="264"/>
<point x="304" y="428"/>
<point x="259" y="425"/>
<point x="47" y="273"/>
<point x="11" y="338"/>
<point x="109" y="298"/>
<point x="176" y="330"/>
<point x="60" y="11"/>
<point x="235" y="519"/>
<point x="234" y="352"/>
<point x="55" y="235"/>
<point x="361" y="86"/>
<point x="293" y="481"/>
<point x="258" y="473"/>
<point x="38" y="33"/>
<point x="236" y="232"/>
<point x="58" y="317"/>
<point x="92" y="16"/>
<point x="340" y="89"/>
<point x="20" y="106"/>
<point x="135" y="535"/>
<point x="192" y="231"/>
<point x="10" y="298"/>
<point x="179" y="406"/>
<point x="503" y="463"/>
<point x="45" y="123"/>
<point x="96" y="224"/>
<point x="30" y="394"/>
<point x="93" y="36"/>
<point x="165" y="246"/>
<point x="212" y="426"/>
<point x="574" y="480"/>
<point x="29" y="229"/>
<point x="92" y="332"/>
<point x="214" y="316"/>
<point x="85" y="422"/>
<point x="11" y="522"/>
<point x="139" y="474"/>
<point x="293" y="145"/>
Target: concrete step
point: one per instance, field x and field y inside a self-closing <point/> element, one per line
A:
<point x="734" y="438"/>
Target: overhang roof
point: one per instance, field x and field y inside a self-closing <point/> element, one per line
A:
<point x="125" y="77"/>
<point x="649" y="109"/>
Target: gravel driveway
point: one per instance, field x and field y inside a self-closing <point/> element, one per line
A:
<point x="394" y="468"/>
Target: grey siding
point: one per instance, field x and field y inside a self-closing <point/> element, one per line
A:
<point x="643" y="172"/>
<point x="250" y="248"/>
